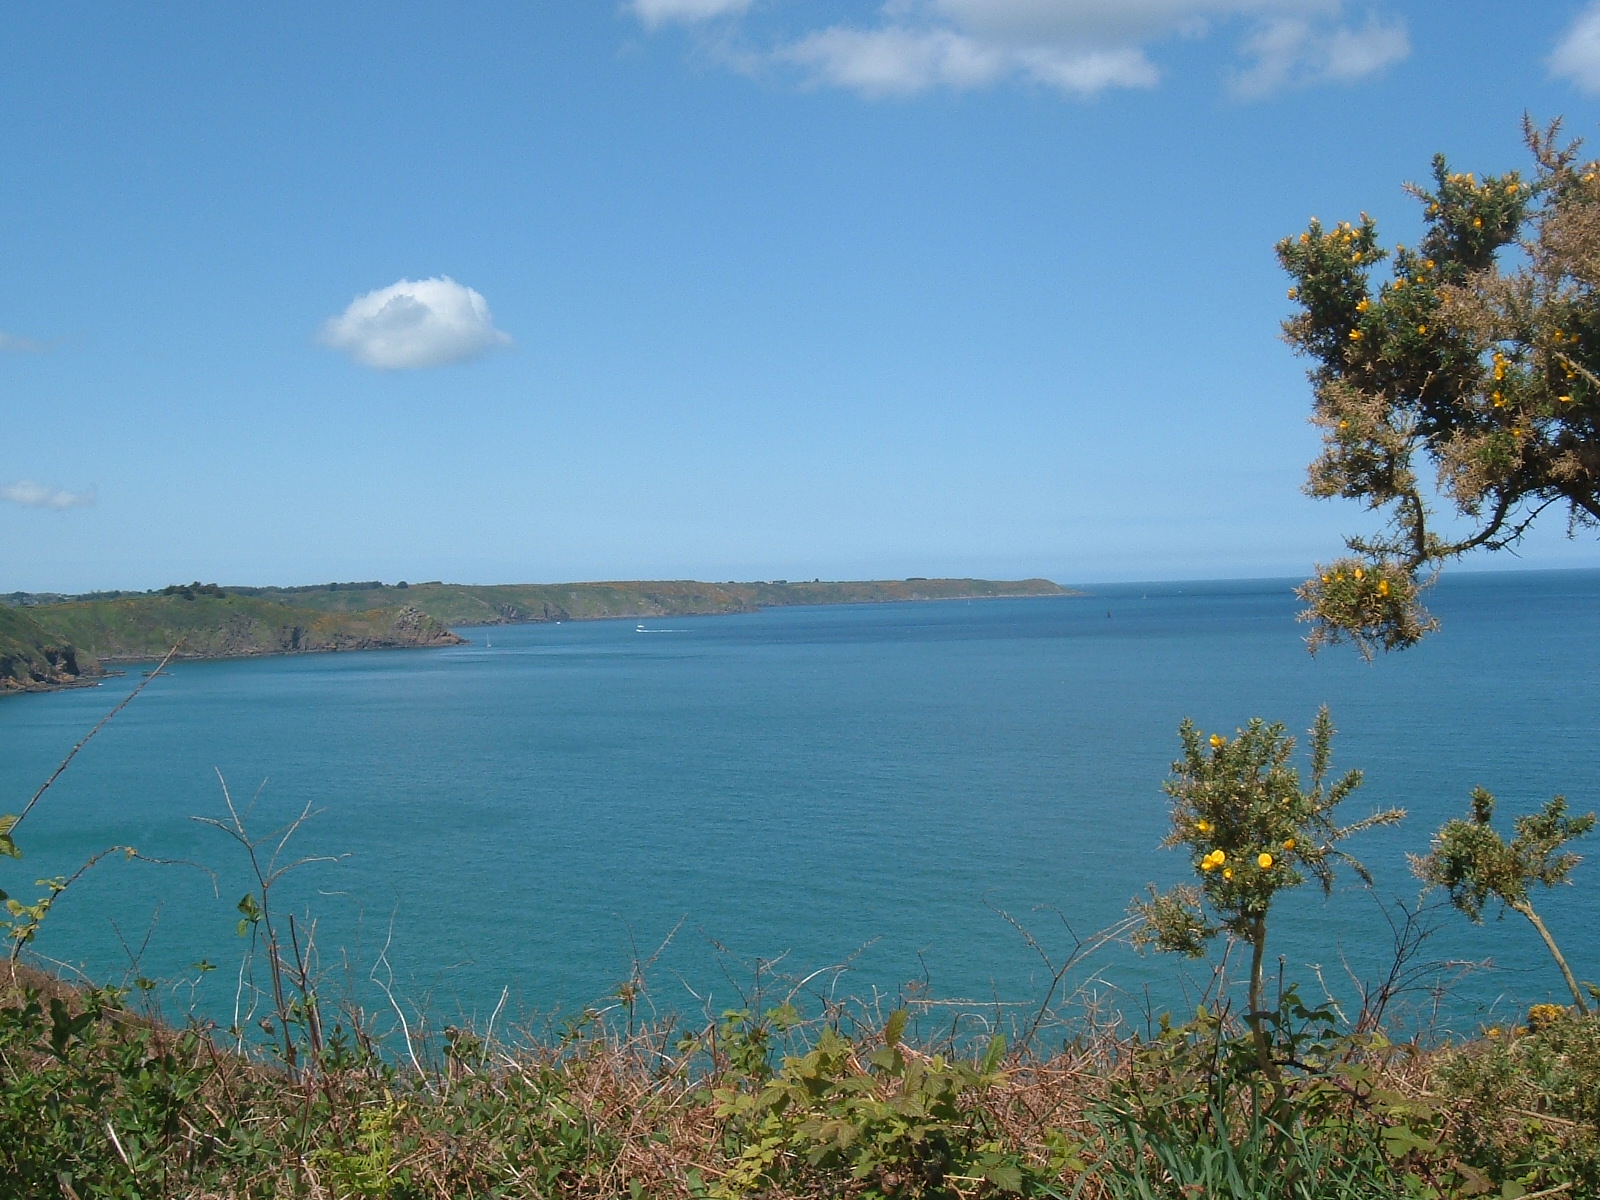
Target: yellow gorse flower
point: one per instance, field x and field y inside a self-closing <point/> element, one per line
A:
<point x="1361" y="305"/>
<point x="1264" y="860"/>
<point x="1542" y="1016"/>
<point x="1289" y="844"/>
<point x="1216" y="741"/>
<point x="1203" y="826"/>
<point x="1383" y="587"/>
<point x="1227" y="873"/>
<point x="1213" y="860"/>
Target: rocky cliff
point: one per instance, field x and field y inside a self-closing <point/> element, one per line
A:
<point x="34" y="659"/>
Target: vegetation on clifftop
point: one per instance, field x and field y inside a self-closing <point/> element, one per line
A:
<point x="33" y="658"/>
<point x="512" y="603"/>
<point x="213" y="624"/>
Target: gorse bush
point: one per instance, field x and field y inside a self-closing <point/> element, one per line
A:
<point x="1476" y="353"/>
<point x="1475" y="865"/>
<point x="1251" y="831"/>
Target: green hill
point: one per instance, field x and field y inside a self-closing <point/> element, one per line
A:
<point x="33" y="658"/>
<point x="51" y="641"/>
<point x="500" y="604"/>
<point x="212" y="623"/>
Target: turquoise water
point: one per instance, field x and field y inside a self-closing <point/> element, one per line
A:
<point x="860" y="785"/>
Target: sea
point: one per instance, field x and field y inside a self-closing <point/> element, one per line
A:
<point x="945" y="801"/>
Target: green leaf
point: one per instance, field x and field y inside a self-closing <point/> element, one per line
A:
<point x="251" y="911"/>
<point x="1005" y="1176"/>
<point x="995" y="1054"/>
<point x="895" y="1027"/>
<point x="8" y="848"/>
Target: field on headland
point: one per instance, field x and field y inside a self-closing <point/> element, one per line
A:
<point x="506" y="604"/>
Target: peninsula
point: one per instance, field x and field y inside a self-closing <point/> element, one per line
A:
<point x="49" y="640"/>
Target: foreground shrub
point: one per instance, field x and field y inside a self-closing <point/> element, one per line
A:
<point x="1192" y="1117"/>
<point x="1524" y="1104"/>
<point x="889" y="1120"/>
<point x="1475" y="865"/>
<point x="1251" y="831"/>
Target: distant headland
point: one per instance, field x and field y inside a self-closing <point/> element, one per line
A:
<point x="49" y="641"/>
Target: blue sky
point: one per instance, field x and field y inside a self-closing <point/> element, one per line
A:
<point x="738" y="288"/>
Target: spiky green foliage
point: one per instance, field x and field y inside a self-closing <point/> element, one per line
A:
<point x="1473" y="360"/>
<point x="1251" y="830"/>
<point x="1475" y="865"/>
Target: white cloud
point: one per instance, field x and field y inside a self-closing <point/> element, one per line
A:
<point x="36" y="495"/>
<point x="660" y="12"/>
<point x="1076" y="46"/>
<point x="1102" y="20"/>
<point x="1089" y="71"/>
<point x="11" y="343"/>
<point x="415" y="323"/>
<point x="898" y="59"/>
<point x="893" y="59"/>
<point x="1294" y="51"/>
<point x="1577" y="55"/>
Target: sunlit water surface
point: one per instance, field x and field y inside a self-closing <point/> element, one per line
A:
<point x="864" y="785"/>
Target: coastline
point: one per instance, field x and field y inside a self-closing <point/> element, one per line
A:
<point x="61" y="643"/>
<point x="633" y="615"/>
<point x="34" y="688"/>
